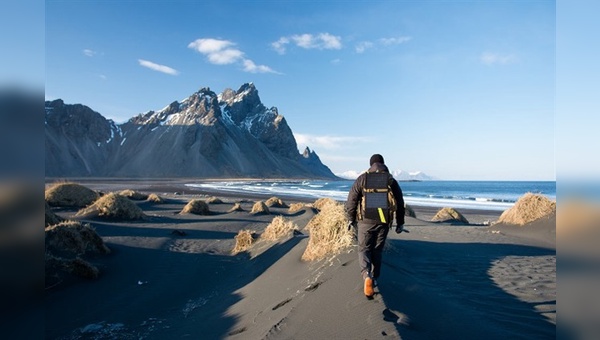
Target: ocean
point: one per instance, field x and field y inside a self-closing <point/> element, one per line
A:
<point x="484" y="195"/>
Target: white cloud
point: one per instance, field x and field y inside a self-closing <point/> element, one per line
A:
<point x="394" y="41"/>
<point x="327" y="142"/>
<point x="224" y="57"/>
<point x="208" y="46"/>
<point x="89" y="53"/>
<point x="330" y="42"/>
<point x="489" y="58"/>
<point x="280" y="44"/>
<point x="250" y="66"/>
<point x="218" y="52"/>
<point x="157" y="67"/>
<point x="222" y="52"/>
<point x="321" y="41"/>
<point x="363" y="46"/>
<point x="102" y="76"/>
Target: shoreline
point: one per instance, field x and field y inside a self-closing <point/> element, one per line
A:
<point x="177" y="186"/>
<point x="173" y="275"/>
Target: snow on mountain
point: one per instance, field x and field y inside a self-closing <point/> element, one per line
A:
<point x="400" y="175"/>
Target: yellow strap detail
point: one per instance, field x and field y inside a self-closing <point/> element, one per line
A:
<point x="381" y="215"/>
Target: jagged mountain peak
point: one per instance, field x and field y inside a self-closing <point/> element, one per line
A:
<point x="205" y="135"/>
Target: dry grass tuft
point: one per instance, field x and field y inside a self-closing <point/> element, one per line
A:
<point x="113" y="206"/>
<point x="133" y="195"/>
<point x="65" y="243"/>
<point x="322" y="202"/>
<point x="278" y="229"/>
<point x="530" y="207"/>
<point x="197" y="207"/>
<point x="276" y="202"/>
<point x="260" y="208"/>
<point x="329" y="233"/>
<point x="155" y="198"/>
<point x="449" y="215"/>
<point x="76" y="266"/>
<point x="236" y="207"/>
<point x="70" y="195"/>
<point x="243" y="241"/>
<point x="295" y="207"/>
<point x="72" y="237"/>
<point x="408" y="211"/>
<point x="214" y="200"/>
<point x="51" y="217"/>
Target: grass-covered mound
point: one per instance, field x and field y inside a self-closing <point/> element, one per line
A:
<point x="409" y="211"/>
<point x="260" y="208"/>
<point x="278" y="228"/>
<point x="236" y="207"/>
<point x="73" y="238"/>
<point x="329" y="233"/>
<point x="113" y="206"/>
<point x="214" y="200"/>
<point x="295" y="207"/>
<point x="449" y="215"/>
<point x="197" y="207"/>
<point x="276" y="202"/>
<point x="243" y="241"/>
<point x="529" y="208"/>
<point x="66" y="244"/>
<point x="70" y="195"/>
<point x="320" y="203"/>
<point x="133" y="195"/>
<point x="50" y="217"/>
<point x="154" y="198"/>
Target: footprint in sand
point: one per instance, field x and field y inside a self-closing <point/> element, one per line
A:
<point x="396" y="317"/>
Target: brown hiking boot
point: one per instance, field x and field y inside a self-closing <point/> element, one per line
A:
<point x="369" y="287"/>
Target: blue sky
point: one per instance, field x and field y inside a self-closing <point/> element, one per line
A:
<point x="457" y="89"/>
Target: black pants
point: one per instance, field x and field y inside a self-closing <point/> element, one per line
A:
<point x="371" y="239"/>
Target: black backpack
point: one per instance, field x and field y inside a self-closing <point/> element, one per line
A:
<point x="378" y="202"/>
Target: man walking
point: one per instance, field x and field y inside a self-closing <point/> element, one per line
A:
<point x="372" y="201"/>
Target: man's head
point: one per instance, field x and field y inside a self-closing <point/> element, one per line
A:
<point x="376" y="158"/>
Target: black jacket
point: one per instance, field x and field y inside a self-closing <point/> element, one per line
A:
<point x="356" y="192"/>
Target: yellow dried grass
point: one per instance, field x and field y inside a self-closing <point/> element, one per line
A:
<point x="529" y="208"/>
<point x="329" y="233"/>
<point x="214" y="200"/>
<point x="155" y="198"/>
<point x="449" y="215"/>
<point x="197" y="207"/>
<point x="73" y="237"/>
<point x="243" y="241"/>
<point x="295" y="207"/>
<point x="236" y="207"/>
<point x="133" y="195"/>
<point x="113" y="206"/>
<point x="69" y="195"/>
<point x="321" y="203"/>
<point x="275" y="202"/>
<point x="260" y="208"/>
<point x="278" y="229"/>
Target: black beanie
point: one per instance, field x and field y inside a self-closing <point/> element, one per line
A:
<point x="376" y="158"/>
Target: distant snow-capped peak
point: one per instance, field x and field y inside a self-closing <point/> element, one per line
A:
<point x="398" y="175"/>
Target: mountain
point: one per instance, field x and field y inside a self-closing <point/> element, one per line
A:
<point x="206" y="135"/>
<point x="398" y="175"/>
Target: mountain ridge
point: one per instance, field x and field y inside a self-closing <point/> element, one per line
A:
<point x="206" y="135"/>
